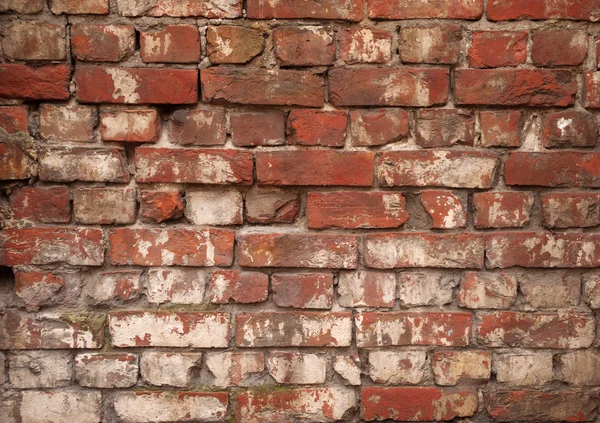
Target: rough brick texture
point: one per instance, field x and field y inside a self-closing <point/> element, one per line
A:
<point x="307" y="211"/>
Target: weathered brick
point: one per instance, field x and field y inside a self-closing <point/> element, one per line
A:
<point x="446" y="209"/>
<point x="41" y="204"/>
<point x="22" y="6"/>
<point x="194" y="166"/>
<point x="452" y="329"/>
<point x="63" y="405"/>
<point x="161" y="206"/>
<point x="130" y="125"/>
<point x="580" y="368"/>
<point x="367" y="289"/>
<point x="417" y="404"/>
<point x="49" y="82"/>
<point x="591" y="289"/>
<point x="297" y="368"/>
<point x="249" y="129"/>
<point x="199" y="8"/>
<point x="114" y="285"/>
<point x="171" y="246"/>
<point x="75" y="246"/>
<point x="31" y="40"/>
<point x="81" y="7"/>
<point x="423" y="9"/>
<point x="550" y="289"/>
<point x="40" y="369"/>
<point x="498" y="49"/>
<point x="102" y="43"/>
<point x="303" y="46"/>
<point x="104" y="206"/>
<point x="224" y="207"/>
<point x="172" y="369"/>
<point x="430" y="44"/>
<point x="136" y="85"/>
<point x="83" y="164"/>
<point x="306" y="329"/>
<point x="353" y="209"/>
<point x="501" y="128"/>
<point x="364" y="45"/>
<point x="234" y="286"/>
<point x="535" y="330"/>
<point x="246" y="86"/>
<point x="515" y="87"/>
<point x="293" y="9"/>
<point x="592" y="90"/>
<point x="176" y="286"/>
<point x="266" y="206"/>
<point x="13" y="119"/>
<point x="348" y="367"/>
<point x="298" y="250"/>
<point x="500" y="10"/>
<point x="416" y="289"/>
<point x="388" y="251"/>
<point x="571" y="128"/>
<point x="415" y="87"/>
<point x="172" y="44"/>
<point x="374" y="127"/>
<point x="523" y="369"/>
<point x="445" y="127"/>
<point x="502" y="209"/>
<point x="452" y="367"/>
<point x="101" y="370"/>
<point x="559" y="47"/>
<point x="169" y="329"/>
<point x="67" y="123"/>
<point x="317" y="127"/>
<point x="304" y="290"/>
<point x="397" y="367"/>
<point x="532" y="249"/>
<point x="232" y="368"/>
<point x="38" y="289"/>
<point x="233" y="44"/>
<point x="487" y="290"/>
<point x="197" y="127"/>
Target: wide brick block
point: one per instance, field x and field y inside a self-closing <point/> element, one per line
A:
<point x="31" y="40"/>
<point x="385" y="329"/>
<point x="233" y="44"/>
<point x="535" y="330"/>
<point x="304" y="290"/>
<point x="287" y="87"/>
<point x="559" y="47"/>
<point x="136" y="85"/>
<point x="298" y="250"/>
<point x="430" y="44"/>
<point x="414" y="87"/>
<point x="172" y="44"/>
<point x="571" y="128"/>
<point x="571" y="210"/>
<point x="234" y="286"/>
<point x="374" y="127"/>
<point x="451" y="367"/>
<point x="67" y="123"/>
<point x="172" y="246"/>
<point x="388" y="251"/>
<point x="304" y="46"/>
<point x="49" y="82"/>
<point x="101" y="370"/>
<point x="41" y="204"/>
<point x="502" y="209"/>
<point x="316" y="127"/>
<point x="130" y="125"/>
<point x="194" y="166"/>
<point x="169" y="329"/>
<point x="83" y="164"/>
<point x="197" y="127"/>
<point x="424" y="9"/>
<point x="102" y="43"/>
<point x="220" y="9"/>
<point x="367" y="289"/>
<point x="515" y="87"/>
<point x="585" y="10"/>
<point x="306" y="329"/>
<point x="350" y="10"/>
<point x="497" y="49"/>
<point x="364" y="45"/>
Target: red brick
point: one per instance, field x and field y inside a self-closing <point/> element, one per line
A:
<point x="515" y="87"/>
<point x="22" y="6"/>
<point x="197" y="127"/>
<point x="15" y="163"/>
<point x="100" y="370"/>
<point x="308" y="290"/>
<point x="195" y="166"/>
<point x="364" y="45"/>
<point x="31" y="40"/>
<point x="315" y="167"/>
<point x="501" y="128"/>
<point x="75" y="246"/>
<point x="41" y="204"/>
<point x="592" y="90"/>
<point x="571" y="210"/>
<point x="169" y="329"/>
<point x="531" y="249"/>
<point x="130" y="125"/>
<point x="266" y="206"/>
<point x="326" y="404"/>
<point x="246" y="86"/>
<point x="412" y="328"/>
<point x="536" y="330"/>
<point x="366" y="288"/>
<point x="559" y="47"/>
<point x="249" y="129"/>
<point x="487" y="290"/>
<point x="415" y="87"/>
<point x="356" y="210"/>
<point x="80" y="7"/>
<point x="446" y="209"/>
<point x="501" y="10"/>
<point x="293" y="9"/>
<point x="424" y="9"/>
<point x="317" y="127"/>
<point x="49" y="82"/>
<point x="21" y="331"/>
<point x="502" y="209"/>
<point x="83" y="164"/>
<point x="498" y="49"/>
<point x="193" y="8"/>
<point x="298" y="250"/>
<point x="375" y="127"/>
<point x="104" y="206"/>
<point x="417" y="404"/>
<point x="233" y="44"/>
<point x="172" y="44"/>
<point x="13" y="119"/>
<point x="68" y="123"/>
<point x="173" y="246"/>
<point x="430" y="44"/>
<point x="558" y="405"/>
<point x="451" y="367"/>
<point x="571" y="128"/>
<point x="556" y="169"/>
<point x="161" y="206"/>
<point x="234" y="286"/>
<point x="452" y="169"/>
<point x="445" y="127"/>
<point x="298" y="329"/>
<point x="38" y="289"/>
<point x="102" y="43"/>
<point x="115" y="285"/>
<point x="303" y="46"/>
<point x="136" y="85"/>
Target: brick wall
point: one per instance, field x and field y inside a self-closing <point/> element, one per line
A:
<point x="299" y="211"/>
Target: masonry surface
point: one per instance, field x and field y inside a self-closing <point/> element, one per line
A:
<point x="297" y="211"/>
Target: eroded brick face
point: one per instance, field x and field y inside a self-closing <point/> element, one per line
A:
<point x="299" y="211"/>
